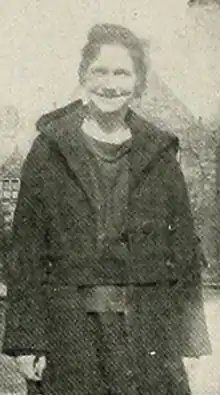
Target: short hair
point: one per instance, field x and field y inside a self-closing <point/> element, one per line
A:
<point x="102" y="34"/>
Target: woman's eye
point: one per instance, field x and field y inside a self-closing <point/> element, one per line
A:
<point x="122" y="72"/>
<point x="99" y="71"/>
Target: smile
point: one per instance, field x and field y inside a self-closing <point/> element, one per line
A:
<point x="110" y="95"/>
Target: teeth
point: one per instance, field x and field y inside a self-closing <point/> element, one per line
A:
<point x="118" y="94"/>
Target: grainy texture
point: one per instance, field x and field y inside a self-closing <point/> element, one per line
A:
<point x="188" y="61"/>
<point x="55" y="220"/>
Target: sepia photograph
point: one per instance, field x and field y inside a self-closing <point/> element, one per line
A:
<point x="110" y="197"/>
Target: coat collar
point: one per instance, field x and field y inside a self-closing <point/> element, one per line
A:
<point x="148" y="143"/>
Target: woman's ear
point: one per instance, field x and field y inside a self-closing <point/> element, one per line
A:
<point x="84" y="96"/>
<point x="80" y="93"/>
<point x="178" y="156"/>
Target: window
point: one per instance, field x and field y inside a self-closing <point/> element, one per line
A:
<point x="6" y="184"/>
<point x="6" y="193"/>
<point x="15" y="184"/>
<point x="8" y="219"/>
<point x="5" y="204"/>
<point x="10" y="188"/>
<point x="5" y="200"/>
<point x="14" y="195"/>
<point x="7" y="213"/>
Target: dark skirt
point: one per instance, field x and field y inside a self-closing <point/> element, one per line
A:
<point x="131" y="353"/>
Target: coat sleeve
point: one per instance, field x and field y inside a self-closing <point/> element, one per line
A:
<point x="194" y="338"/>
<point x="26" y="313"/>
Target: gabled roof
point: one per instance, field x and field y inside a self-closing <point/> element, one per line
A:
<point x="12" y="166"/>
<point x="161" y="106"/>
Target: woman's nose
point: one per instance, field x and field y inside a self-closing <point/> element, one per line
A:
<point x="110" y="82"/>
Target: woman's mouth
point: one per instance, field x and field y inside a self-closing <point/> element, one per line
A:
<point x="110" y="95"/>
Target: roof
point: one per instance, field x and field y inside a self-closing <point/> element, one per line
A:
<point x="161" y="106"/>
<point x="12" y="166"/>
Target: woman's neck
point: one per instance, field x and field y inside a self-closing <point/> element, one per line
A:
<point x="109" y="122"/>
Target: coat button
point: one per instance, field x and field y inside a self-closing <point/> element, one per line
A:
<point x="49" y="267"/>
<point x="101" y="236"/>
<point x="170" y="264"/>
<point x="129" y="373"/>
<point x="122" y="243"/>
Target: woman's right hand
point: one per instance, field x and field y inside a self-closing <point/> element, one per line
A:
<point x="30" y="367"/>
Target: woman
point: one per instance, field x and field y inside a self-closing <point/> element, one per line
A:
<point x="103" y="280"/>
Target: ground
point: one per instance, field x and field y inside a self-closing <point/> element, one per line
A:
<point x="204" y="373"/>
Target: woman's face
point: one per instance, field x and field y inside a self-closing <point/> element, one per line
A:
<point x="111" y="79"/>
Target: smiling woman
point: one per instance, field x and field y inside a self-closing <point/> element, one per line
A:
<point x="113" y="65"/>
<point x="105" y="280"/>
<point x="113" y="72"/>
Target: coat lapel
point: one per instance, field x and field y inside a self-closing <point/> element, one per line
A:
<point x="147" y="144"/>
<point x="67" y="134"/>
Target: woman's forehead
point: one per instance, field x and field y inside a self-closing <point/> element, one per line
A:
<point x="113" y="56"/>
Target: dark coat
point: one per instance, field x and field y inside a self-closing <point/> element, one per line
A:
<point x="54" y="239"/>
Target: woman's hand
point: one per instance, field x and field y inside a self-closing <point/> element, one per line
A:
<point x="31" y="367"/>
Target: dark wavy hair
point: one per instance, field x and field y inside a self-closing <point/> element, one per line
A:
<point x="102" y="34"/>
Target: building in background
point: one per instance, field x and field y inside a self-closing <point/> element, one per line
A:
<point x="10" y="173"/>
<point x="162" y="107"/>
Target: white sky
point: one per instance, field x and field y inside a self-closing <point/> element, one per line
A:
<point x="40" y="42"/>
